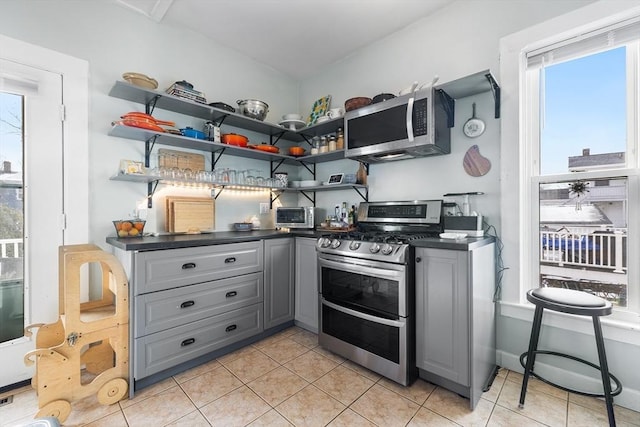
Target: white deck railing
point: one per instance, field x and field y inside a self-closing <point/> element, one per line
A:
<point x="603" y="251"/>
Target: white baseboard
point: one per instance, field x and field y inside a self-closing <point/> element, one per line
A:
<point x="629" y="398"/>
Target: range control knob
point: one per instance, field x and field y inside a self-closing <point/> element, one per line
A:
<point x="374" y="248"/>
<point x="335" y="243"/>
<point x="354" y="245"/>
<point x="324" y="242"/>
<point x="387" y="249"/>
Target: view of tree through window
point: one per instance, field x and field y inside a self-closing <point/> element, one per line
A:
<point x="583" y="222"/>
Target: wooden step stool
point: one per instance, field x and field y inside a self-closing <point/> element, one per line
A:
<point x="87" y="350"/>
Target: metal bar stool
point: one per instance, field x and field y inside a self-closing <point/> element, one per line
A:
<point x="572" y="302"/>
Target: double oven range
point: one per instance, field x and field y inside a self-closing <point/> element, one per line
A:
<point x="367" y="286"/>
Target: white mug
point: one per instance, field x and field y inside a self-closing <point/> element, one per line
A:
<point x="334" y="113"/>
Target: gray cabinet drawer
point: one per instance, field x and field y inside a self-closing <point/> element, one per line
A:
<point x="158" y="311"/>
<point x="171" y="268"/>
<point x="163" y="350"/>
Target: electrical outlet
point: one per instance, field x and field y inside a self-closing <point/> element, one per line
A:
<point x="264" y="208"/>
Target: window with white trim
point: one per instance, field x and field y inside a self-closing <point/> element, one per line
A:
<point x="581" y="120"/>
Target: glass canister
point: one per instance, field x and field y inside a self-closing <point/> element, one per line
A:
<point x="315" y="145"/>
<point x="324" y="146"/>
<point x="332" y="143"/>
<point x="339" y="139"/>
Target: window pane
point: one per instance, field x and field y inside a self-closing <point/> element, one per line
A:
<point x="11" y="218"/>
<point x="584" y="113"/>
<point x="583" y="237"/>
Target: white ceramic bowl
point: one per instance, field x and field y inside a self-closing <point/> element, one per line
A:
<point x="310" y="183"/>
<point x="292" y="116"/>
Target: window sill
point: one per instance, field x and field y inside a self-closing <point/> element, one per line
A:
<point x="614" y="327"/>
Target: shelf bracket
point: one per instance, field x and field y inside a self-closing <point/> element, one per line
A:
<point x="151" y="105"/>
<point x="449" y="105"/>
<point x="495" y="90"/>
<point x="148" y="147"/>
<point x="310" y="170"/>
<point x="151" y="189"/>
<point x="273" y="199"/>
<point x="306" y="140"/>
<point x="214" y="158"/>
<point x="278" y="136"/>
<point x="364" y="196"/>
<point x="312" y="200"/>
<point x="278" y="164"/>
<point x="216" y="194"/>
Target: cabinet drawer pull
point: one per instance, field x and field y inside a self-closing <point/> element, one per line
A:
<point x="187" y="304"/>
<point x="231" y="294"/>
<point x="231" y="328"/>
<point x="188" y="265"/>
<point x="187" y="342"/>
<point x="230" y="260"/>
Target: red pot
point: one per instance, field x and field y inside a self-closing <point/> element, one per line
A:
<point x="234" y="139"/>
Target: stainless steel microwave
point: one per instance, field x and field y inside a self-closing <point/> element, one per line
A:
<point x="412" y="125"/>
<point x="298" y="217"/>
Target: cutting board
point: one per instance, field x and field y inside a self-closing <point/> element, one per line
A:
<point x="180" y="159"/>
<point x="474" y="163"/>
<point x="189" y="214"/>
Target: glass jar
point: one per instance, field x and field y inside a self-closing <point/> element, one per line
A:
<point x="340" y="139"/>
<point x="315" y="145"/>
<point x="324" y="146"/>
<point x="332" y="143"/>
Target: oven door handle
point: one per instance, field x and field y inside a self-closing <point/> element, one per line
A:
<point x="365" y="316"/>
<point x="362" y="268"/>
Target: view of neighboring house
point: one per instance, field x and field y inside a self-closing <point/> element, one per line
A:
<point x="11" y="256"/>
<point x="583" y="231"/>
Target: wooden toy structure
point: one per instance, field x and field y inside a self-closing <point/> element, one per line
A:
<point x="86" y="350"/>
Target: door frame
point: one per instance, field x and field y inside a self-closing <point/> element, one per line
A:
<point x="75" y="176"/>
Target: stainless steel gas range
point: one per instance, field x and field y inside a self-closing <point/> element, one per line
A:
<point x="367" y="287"/>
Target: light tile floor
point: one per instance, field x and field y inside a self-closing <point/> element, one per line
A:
<point x="287" y="380"/>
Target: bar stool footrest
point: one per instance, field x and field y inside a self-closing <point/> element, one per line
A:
<point x="615" y="392"/>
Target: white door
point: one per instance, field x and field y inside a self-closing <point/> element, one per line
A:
<point x="36" y="158"/>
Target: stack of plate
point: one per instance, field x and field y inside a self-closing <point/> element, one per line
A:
<point x="186" y="93"/>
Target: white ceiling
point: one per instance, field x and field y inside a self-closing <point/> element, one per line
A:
<point x="297" y="37"/>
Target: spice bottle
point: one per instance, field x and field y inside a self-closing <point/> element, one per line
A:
<point x="332" y="143"/>
<point x="340" y="139"/>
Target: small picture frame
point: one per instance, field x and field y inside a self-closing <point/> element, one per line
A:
<point x="336" y="178"/>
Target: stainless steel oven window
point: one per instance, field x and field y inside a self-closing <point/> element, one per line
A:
<point x="373" y="287"/>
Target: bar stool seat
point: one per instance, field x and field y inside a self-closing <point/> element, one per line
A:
<point x="577" y="303"/>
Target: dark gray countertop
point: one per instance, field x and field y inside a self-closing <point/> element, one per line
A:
<point x="466" y="244"/>
<point x="174" y="241"/>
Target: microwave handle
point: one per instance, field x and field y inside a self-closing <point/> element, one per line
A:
<point x="410" y="119"/>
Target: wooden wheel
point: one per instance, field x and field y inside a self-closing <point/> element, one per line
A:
<point x="112" y="391"/>
<point x="58" y="408"/>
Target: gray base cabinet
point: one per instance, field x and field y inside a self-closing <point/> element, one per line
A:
<point x="455" y="318"/>
<point x="278" y="281"/>
<point x="188" y="302"/>
<point x="306" y="284"/>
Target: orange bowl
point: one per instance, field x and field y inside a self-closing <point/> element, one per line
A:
<point x="296" y="151"/>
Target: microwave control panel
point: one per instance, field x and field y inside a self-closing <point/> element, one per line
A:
<point x="420" y="119"/>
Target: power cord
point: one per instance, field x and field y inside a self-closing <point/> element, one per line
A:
<point x="500" y="268"/>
